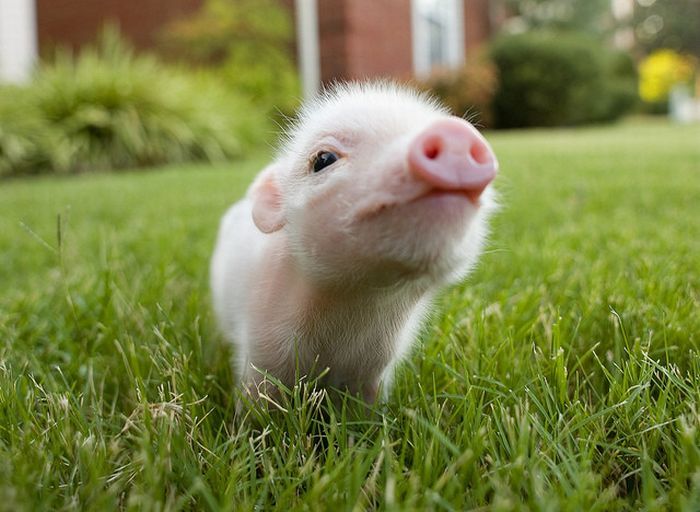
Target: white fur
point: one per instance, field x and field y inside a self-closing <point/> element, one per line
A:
<point x="347" y="266"/>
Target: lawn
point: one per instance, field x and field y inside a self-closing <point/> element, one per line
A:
<point x="563" y="375"/>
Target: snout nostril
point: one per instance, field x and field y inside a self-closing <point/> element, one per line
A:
<point x="451" y="155"/>
<point x="432" y="148"/>
<point x="480" y="153"/>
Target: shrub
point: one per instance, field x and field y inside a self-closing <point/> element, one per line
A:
<point x="620" y="82"/>
<point x="659" y="73"/>
<point x="27" y="142"/>
<point x="551" y="79"/>
<point x="467" y="91"/>
<point x="108" y="108"/>
<point x="18" y="148"/>
<point x="247" y="43"/>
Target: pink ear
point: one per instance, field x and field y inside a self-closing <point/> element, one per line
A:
<point x="267" y="203"/>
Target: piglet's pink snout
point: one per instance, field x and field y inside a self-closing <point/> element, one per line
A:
<point x="452" y="155"/>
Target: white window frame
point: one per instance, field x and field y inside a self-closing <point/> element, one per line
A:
<point x="449" y="12"/>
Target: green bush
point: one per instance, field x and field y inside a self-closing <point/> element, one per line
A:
<point x="621" y="83"/>
<point x="248" y="43"/>
<point x="19" y="150"/>
<point x="28" y="144"/>
<point x="553" y="79"/>
<point x="108" y="108"/>
<point x="467" y="91"/>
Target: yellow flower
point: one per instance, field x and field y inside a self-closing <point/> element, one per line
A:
<point x="660" y="71"/>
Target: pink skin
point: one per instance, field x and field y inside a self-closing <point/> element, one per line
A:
<point x="451" y="155"/>
<point x="336" y="269"/>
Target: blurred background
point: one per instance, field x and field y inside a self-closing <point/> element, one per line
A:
<point x="108" y="84"/>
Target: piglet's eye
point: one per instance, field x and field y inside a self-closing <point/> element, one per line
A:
<point x="323" y="159"/>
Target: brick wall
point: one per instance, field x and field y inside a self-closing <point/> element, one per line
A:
<point x="477" y="24"/>
<point x="76" y="22"/>
<point x="333" y="34"/>
<point x="365" y="38"/>
<point x="358" y="38"/>
<point x="372" y="38"/>
<point x="380" y="38"/>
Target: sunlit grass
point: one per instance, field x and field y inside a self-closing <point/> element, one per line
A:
<point x="564" y="374"/>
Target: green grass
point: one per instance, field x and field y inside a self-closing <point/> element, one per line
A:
<point x="564" y="375"/>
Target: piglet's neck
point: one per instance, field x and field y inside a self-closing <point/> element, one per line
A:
<point x="353" y="307"/>
<point x="367" y="298"/>
<point x="356" y="334"/>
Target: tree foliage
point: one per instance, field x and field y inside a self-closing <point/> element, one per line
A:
<point x="673" y="24"/>
<point x="593" y="16"/>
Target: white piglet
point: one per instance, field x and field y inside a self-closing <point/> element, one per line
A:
<point x="377" y="199"/>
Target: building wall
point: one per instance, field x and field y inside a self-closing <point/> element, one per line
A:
<point x="373" y="38"/>
<point x="379" y="42"/>
<point x="333" y="34"/>
<point x="358" y="38"/>
<point x="74" y="23"/>
<point x="364" y="38"/>
<point x="477" y="24"/>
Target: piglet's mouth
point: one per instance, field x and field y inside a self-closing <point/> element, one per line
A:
<point x="472" y="195"/>
<point x="421" y="200"/>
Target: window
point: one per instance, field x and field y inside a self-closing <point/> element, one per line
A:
<point x="438" y="34"/>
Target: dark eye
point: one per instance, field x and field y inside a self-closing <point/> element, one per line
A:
<point x="323" y="159"/>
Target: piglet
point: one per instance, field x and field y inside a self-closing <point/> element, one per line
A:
<point x="377" y="199"/>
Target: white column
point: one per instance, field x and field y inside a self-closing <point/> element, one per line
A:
<point x="307" y="46"/>
<point x="18" y="40"/>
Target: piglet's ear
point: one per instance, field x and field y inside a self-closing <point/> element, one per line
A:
<point x="267" y="202"/>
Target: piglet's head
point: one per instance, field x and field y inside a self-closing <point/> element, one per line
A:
<point x="377" y="186"/>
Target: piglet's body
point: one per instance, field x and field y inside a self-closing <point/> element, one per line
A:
<point x="377" y="199"/>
